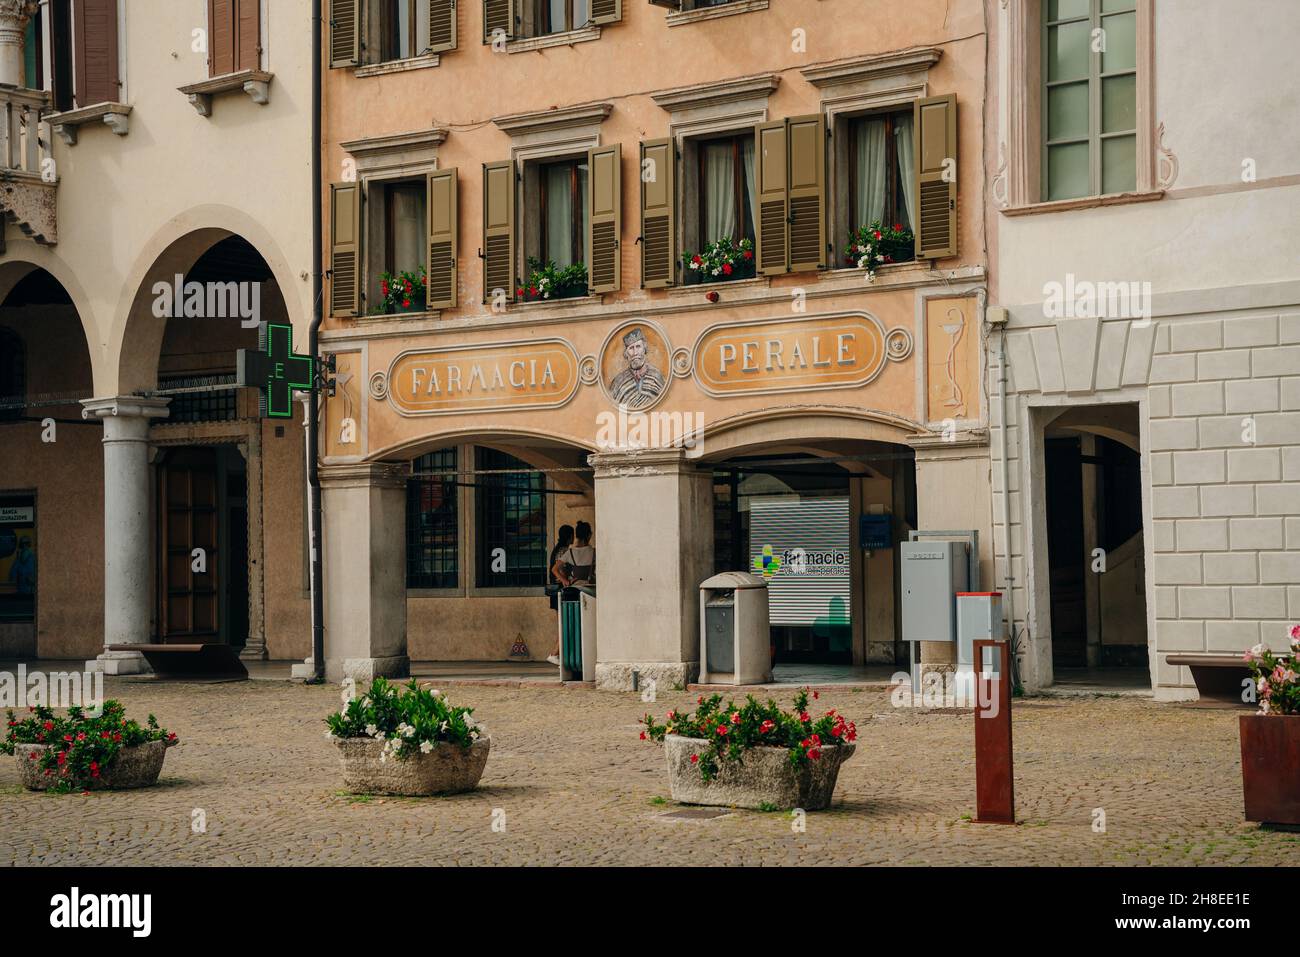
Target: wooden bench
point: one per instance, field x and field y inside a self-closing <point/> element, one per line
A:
<point x="1218" y="677"/>
<point x="213" y="660"/>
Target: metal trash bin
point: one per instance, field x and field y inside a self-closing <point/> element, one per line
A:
<point x="578" y="633"/>
<point x="735" y="638"/>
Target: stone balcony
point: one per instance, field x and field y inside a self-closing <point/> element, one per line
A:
<point x="28" y="177"/>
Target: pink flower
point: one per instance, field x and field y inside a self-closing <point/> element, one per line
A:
<point x="735" y="717"/>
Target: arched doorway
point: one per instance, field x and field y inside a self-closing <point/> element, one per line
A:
<point x="51" y="484"/>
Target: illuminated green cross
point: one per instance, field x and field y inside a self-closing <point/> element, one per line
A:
<point x="274" y="370"/>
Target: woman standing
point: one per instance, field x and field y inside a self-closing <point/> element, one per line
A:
<point x="564" y="539"/>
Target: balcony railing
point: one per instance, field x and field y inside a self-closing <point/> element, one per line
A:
<point x="28" y="178"/>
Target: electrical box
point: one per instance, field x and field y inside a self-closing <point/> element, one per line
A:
<point x="735" y="636"/>
<point x="933" y="572"/>
<point x="979" y="618"/>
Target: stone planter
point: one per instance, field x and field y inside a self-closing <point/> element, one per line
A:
<point x="1270" y="768"/>
<point x="136" y="766"/>
<point x="447" y="769"/>
<point x="763" y="779"/>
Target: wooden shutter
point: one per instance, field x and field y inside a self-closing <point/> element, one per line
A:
<point x="499" y="229"/>
<point x="658" y="208"/>
<point x="934" y="131"/>
<point x="221" y="37"/>
<point x="345" y="33"/>
<point x="95" y="35"/>
<point x="605" y="11"/>
<point x="441" y="267"/>
<point x="442" y="25"/>
<point x="498" y="15"/>
<point x="345" y="249"/>
<point x="770" y="158"/>
<point x="248" y="35"/>
<point x="605" y="218"/>
<point x="806" y="189"/>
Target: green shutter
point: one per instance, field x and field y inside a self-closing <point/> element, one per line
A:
<point x="773" y="212"/>
<point x="498" y="15"/>
<point x="442" y="25"/>
<point x="604" y="218"/>
<point x="345" y="249"/>
<point x="605" y="11"/>
<point x="658" y="175"/>
<point x="499" y="229"/>
<point x="934" y="131"/>
<point x="806" y="189"/>
<point x="345" y="33"/>
<point x="441" y="267"/>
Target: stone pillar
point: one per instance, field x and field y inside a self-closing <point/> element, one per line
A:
<point x="654" y="546"/>
<point x="364" y="587"/>
<point x="128" y="542"/>
<point x="14" y="16"/>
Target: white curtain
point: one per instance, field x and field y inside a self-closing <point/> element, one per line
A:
<point x="747" y="165"/>
<point x="719" y="192"/>
<point x="906" y="163"/>
<point x="408" y="230"/>
<point x="559" y="214"/>
<point x="869" y="201"/>
<point x="580" y="15"/>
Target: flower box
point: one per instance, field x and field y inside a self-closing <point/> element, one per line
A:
<point x="762" y="779"/>
<point x="447" y="769"/>
<point x="720" y="261"/>
<point x="547" y="282"/>
<point x="407" y="741"/>
<point x="136" y="766"/>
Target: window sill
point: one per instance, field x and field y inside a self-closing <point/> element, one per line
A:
<point x="256" y="83"/>
<point x="566" y="39"/>
<point x="753" y="282"/>
<point x="398" y="66"/>
<point x="116" y="116"/>
<point x="682" y="17"/>
<point x="397" y="317"/>
<point x="589" y="299"/>
<point x="1084" y="202"/>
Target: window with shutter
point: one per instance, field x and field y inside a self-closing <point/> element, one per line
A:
<point x="443" y="218"/>
<point x="221" y="37"/>
<point x="345" y="249"/>
<point x="248" y="34"/>
<point x="499" y="230"/>
<point x="499" y="17"/>
<point x="773" y="211"/>
<point x="806" y="191"/>
<point x="605" y="179"/>
<point x="935" y="131"/>
<point x="658" y="207"/>
<point x="442" y="25"/>
<point x="606" y="11"/>
<point x="345" y="33"/>
<point x="95" y="67"/>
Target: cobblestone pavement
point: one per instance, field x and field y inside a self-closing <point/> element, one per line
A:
<point x="577" y="787"/>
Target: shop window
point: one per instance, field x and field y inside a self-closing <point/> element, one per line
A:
<point x="510" y="506"/>
<point x="17" y="558"/>
<point x="13" y="375"/>
<point x="433" y="522"/>
<point x="879" y="175"/>
<point x="1089" y="113"/>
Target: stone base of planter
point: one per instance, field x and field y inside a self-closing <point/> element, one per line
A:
<point x="137" y="766"/>
<point x="765" y="779"/>
<point x="447" y="769"/>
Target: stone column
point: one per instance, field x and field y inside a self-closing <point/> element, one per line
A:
<point x="364" y="537"/>
<point x="128" y="543"/>
<point x="14" y="16"/>
<point x="654" y="546"/>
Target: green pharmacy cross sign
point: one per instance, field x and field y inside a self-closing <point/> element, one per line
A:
<point x="274" y="370"/>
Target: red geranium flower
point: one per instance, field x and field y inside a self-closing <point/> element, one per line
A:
<point x="722" y="730"/>
<point x="532" y="290"/>
<point x="642" y="735"/>
<point x="803" y="716"/>
<point x="383" y="287"/>
<point x="406" y="304"/>
<point x="49" y="725"/>
<point x="726" y="269"/>
<point x="749" y="254"/>
<point x="694" y="758"/>
<point x="520" y="292"/>
<point x="898" y="228"/>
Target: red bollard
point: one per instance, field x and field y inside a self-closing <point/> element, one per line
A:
<point x="995" y="801"/>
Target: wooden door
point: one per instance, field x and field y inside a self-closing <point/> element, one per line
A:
<point x="188" y="525"/>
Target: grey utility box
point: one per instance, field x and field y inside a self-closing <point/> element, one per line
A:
<point x="979" y="617"/>
<point x="735" y="638"/>
<point x="933" y="573"/>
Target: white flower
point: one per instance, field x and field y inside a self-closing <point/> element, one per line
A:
<point x="717" y="270"/>
<point x="373" y="731"/>
<point x="436" y="693"/>
<point x="426" y="747"/>
<point x="474" y="735"/>
<point x="1257" y="650"/>
<point x="443" y="726"/>
<point x="880" y="259"/>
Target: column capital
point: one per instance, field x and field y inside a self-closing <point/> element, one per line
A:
<point x="629" y="463"/>
<point x="124" y="406"/>
<point x="368" y="474"/>
<point x="16" y="13"/>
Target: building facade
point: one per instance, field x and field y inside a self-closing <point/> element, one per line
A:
<point x="1146" y="485"/>
<point x="150" y="149"/>
<point x="635" y="300"/>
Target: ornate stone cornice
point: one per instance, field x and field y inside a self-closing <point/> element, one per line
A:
<point x="519" y="124"/>
<point x="717" y="93"/>
<point x="871" y="67"/>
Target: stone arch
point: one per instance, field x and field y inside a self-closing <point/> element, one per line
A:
<point x="809" y="428"/>
<point x="34" y="257"/>
<point x="137" y="335"/>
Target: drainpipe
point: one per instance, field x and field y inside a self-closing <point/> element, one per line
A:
<point x="313" y="349"/>
<point x="1006" y="500"/>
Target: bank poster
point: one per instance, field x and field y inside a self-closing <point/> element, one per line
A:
<point x="17" y="559"/>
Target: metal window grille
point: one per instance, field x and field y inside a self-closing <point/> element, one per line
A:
<point x="511" y="518"/>
<point x="432" y="523"/>
<point x="218" y="405"/>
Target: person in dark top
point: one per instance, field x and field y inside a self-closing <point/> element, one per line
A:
<point x="564" y="539"/>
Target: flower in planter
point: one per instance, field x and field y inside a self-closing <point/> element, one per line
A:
<point x="408" y="719"/>
<point x="1277" y="681"/>
<point x="721" y="260"/>
<point x="877" y="245"/>
<point x="548" y="281"/>
<point x="400" y="292"/>
<point x="732" y="730"/>
<point x="89" y="745"/>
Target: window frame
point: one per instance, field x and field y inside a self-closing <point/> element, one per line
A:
<point x="376" y="233"/>
<point x="744" y="212"/>
<point x="1096" y="137"/>
<point x="578" y="242"/>
<point x="895" y="200"/>
<point x="451" y="489"/>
